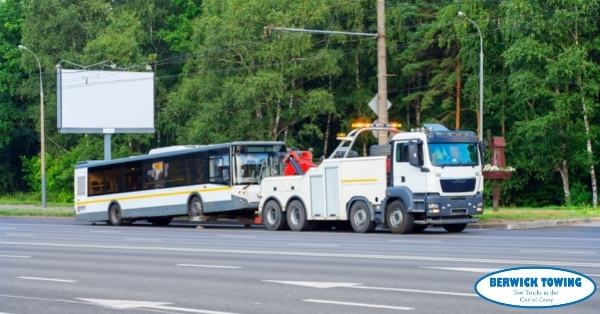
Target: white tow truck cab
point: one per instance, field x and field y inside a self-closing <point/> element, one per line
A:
<point x="429" y="176"/>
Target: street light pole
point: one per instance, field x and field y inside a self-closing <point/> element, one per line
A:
<point x="42" y="128"/>
<point x="463" y="15"/>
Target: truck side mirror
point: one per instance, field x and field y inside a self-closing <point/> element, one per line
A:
<point x="413" y="154"/>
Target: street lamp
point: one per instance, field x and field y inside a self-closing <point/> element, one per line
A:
<point x="463" y="15"/>
<point x="42" y="132"/>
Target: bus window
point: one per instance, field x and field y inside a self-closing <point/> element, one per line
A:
<point x="132" y="177"/>
<point x="153" y="174"/>
<point x="218" y="168"/>
<point x="197" y="166"/>
<point x="113" y="177"/>
<point x="95" y="181"/>
<point x="174" y="172"/>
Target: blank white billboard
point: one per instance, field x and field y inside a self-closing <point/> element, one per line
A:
<point x="105" y="101"/>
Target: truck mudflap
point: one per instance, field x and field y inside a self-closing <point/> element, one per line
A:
<point x="446" y="221"/>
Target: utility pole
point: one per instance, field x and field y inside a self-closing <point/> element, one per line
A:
<point x="381" y="71"/>
<point x="382" y="99"/>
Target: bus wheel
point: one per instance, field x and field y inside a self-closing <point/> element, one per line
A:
<point x="397" y="219"/>
<point x="160" y="221"/>
<point x="272" y="216"/>
<point x="360" y="218"/>
<point x="195" y="209"/>
<point x="114" y="215"/>
<point x="296" y="216"/>
<point x="455" y="227"/>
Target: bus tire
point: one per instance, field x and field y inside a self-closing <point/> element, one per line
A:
<point x="360" y="218"/>
<point x="454" y="228"/>
<point x="114" y="215"/>
<point x="273" y="217"/>
<point x="160" y="221"/>
<point x="398" y="220"/>
<point x="195" y="208"/>
<point x="296" y="216"/>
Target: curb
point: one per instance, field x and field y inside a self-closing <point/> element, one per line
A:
<point x="516" y="225"/>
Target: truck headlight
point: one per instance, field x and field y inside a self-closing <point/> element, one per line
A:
<point x="480" y="207"/>
<point x="433" y="208"/>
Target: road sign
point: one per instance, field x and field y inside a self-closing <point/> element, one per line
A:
<point x="373" y="104"/>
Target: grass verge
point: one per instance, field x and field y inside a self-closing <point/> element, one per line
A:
<point x="37" y="212"/>
<point x="28" y="199"/>
<point x="530" y="214"/>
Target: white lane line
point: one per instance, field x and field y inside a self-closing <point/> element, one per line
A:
<point x="458" y="294"/>
<point x="309" y="254"/>
<point x="519" y="238"/>
<point x="465" y="269"/>
<point x="209" y="266"/>
<point x="311" y="244"/>
<point x="594" y="275"/>
<point x="377" y="306"/>
<point x="143" y="240"/>
<point x="47" y="279"/>
<point x="414" y="241"/>
<point x="15" y="256"/>
<point x="5" y="313"/>
<point x="15" y="234"/>
<point x="134" y="305"/>
<point x="558" y="252"/>
<point x="231" y="236"/>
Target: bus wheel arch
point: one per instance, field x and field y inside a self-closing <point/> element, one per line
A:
<point x="115" y="217"/>
<point x="273" y="216"/>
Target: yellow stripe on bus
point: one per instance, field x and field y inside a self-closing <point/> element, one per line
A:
<point x="225" y="188"/>
<point x="360" y="181"/>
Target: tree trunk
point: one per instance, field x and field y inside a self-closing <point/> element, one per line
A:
<point x="458" y="70"/>
<point x="418" y="114"/>
<point x="327" y="130"/>
<point x="357" y="70"/>
<point x="564" y="174"/>
<point x="590" y="152"/>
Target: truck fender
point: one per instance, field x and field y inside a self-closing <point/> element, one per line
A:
<point x="360" y="198"/>
<point x="271" y="198"/>
<point x="293" y="197"/>
<point x="399" y="192"/>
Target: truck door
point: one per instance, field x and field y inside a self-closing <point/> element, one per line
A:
<point x="405" y="174"/>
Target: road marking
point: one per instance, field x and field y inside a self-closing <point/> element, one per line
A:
<point x="448" y="236"/>
<point x="47" y="279"/>
<point x="378" y="306"/>
<point x="15" y="234"/>
<point x="465" y="269"/>
<point x="232" y="236"/>
<point x="143" y="240"/>
<point x="209" y="266"/>
<point x="310" y="254"/>
<point x="594" y="275"/>
<point x="351" y="285"/>
<point x="316" y="284"/>
<point x="311" y="244"/>
<point x="130" y="304"/>
<point x="558" y="252"/>
<point x="5" y="313"/>
<point x="15" y="256"/>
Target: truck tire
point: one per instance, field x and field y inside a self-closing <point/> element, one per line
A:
<point x="398" y="220"/>
<point x="114" y="215"/>
<point x="296" y="216"/>
<point x="453" y="228"/>
<point x="360" y="218"/>
<point x="273" y="217"/>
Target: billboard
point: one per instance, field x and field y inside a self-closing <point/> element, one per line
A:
<point x="105" y="101"/>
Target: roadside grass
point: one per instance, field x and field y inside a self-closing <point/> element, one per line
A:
<point x="36" y="212"/>
<point x="544" y="213"/>
<point x="28" y="199"/>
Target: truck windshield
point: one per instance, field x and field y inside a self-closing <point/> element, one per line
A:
<point x="252" y="167"/>
<point x="453" y="154"/>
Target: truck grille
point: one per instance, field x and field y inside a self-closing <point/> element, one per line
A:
<point x="458" y="185"/>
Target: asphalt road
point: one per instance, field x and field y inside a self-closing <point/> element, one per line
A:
<point x="62" y="266"/>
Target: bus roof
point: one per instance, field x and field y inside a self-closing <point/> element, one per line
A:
<point x="191" y="149"/>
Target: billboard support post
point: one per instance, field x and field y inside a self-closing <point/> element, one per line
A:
<point x="107" y="146"/>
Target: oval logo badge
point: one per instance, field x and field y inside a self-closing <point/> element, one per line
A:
<point x="535" y="287"/>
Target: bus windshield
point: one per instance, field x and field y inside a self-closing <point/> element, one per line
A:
<point x="453" y="154"/>
<point x="251" y="167"/>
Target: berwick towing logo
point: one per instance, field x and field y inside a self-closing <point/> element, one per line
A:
<point x="535" y="287"/>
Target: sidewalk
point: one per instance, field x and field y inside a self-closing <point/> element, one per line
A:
<point x="520" y="225"/>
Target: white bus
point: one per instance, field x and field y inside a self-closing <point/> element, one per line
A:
<point x="202" y="182"/>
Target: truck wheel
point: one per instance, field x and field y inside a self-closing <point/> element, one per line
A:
<point x="455" y="227"/>
<point x="272" y="216"/>
<point x="397" y="219"/>
<point x="360" y="218"/>
<point x="296" y="216"/>
<point x="114" y="215"/>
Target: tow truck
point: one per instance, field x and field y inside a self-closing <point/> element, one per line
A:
<point x="429" y="176"/>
